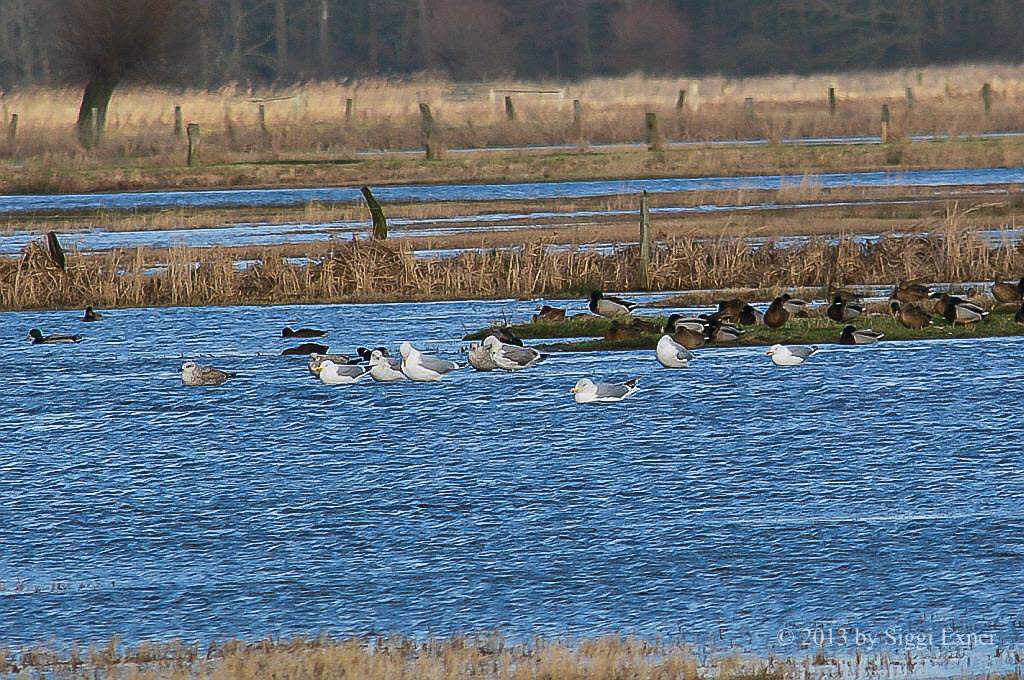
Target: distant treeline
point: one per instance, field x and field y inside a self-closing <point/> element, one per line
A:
<point x="281" y="41"/>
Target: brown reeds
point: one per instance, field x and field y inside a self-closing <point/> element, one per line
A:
<point x="363" y="271"/>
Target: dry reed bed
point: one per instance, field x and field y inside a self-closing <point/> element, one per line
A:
<point x="365" y="271"/>
<point x="484" y="658"/>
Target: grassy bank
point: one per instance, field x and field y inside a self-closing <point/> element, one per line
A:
<point x="820" y="331"/>
<point x="365" y="271"/>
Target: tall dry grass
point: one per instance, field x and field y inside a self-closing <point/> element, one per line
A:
<point x="365" y="271"/>
<point x="308" y="121"/>
<point x="489" y="657"/>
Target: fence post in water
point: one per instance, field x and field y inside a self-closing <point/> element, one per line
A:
<point x="652" y="133"/>
<point x="681" y="100"/>
<point x="430" y="137"/>
<point x="380" y="223"/>
<point x="986" y="97"/>
<point x="192" y="131"/>
<point x="885" y="123"/>
<point x="12" y="131"/>
<point x="831" y="101"/>
<point x="179" y="129"/>
<point x="349" y="105"/>
<point x="510" y="109"/>
<point x="578" y="138"/>
<point x="910" y="98"/>
<point x="56" y="252"/>
<point x="645" y="241"/>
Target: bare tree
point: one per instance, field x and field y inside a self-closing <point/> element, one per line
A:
<point x="106" y="42"/>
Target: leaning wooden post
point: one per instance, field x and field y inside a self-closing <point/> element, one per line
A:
<point x="885" y="123"/>
<point x="510" y="109"/>
<point x="748" y="107"/>
<point x="910" y="98"/>
<point x="578" y="137"/>
<point x="192" y="131"/>
<point x="645" y="241"/>
<point x="681" y="100"/>
<point x="56" y="252"/>
<point x="652" y="133"/>
<point x="380" y="223"/>
<point x="430" y="137"/>
<point x="831" y="101"/>
<point x="179" y="128"/>
<point x="349" y="106"/>
<point x="12" y="131"/>
<point x="986" y="97"/>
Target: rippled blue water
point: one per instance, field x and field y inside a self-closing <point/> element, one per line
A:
<point x="870" y="486"/>
<point x="13" y="205"/>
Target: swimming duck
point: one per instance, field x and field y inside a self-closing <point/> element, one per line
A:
<point x="609" y="306"/>
<point x="840" y="311"/>
<point x="331" y="373"/>
<point x="304" y="349"/>
<point x="302" y="333"/>
<point x="91" y="315"/>
<point x="316" y="359"/>
<point x="1007" y="292"/>
<point x="422" y="367"/>
<point x="852" y="336"/>
<point x="909" y="292"/>
<point x="366" y="353"/>
<point x="617" y="333"/>
<point x="57" y="338"/>
<point x="791" y="355"/>
<point x="384" y="368"/>
<point x="671" y="354"/>
<point x="586" y="391"/>
<point x="777" y="314"/>
<point x="194" y="375"/>
<point x="548" y="313"/>
<point x="682" y="332"/>
<point x="910" y="315"/>
<point x="959" y="311"/>
<point x="511" y="357"/>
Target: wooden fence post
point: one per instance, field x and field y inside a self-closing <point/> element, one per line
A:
<point x="652" y="132"/>
<point x="179" y="129"/>
<point x="53" y="247"/>
<point x="986" y="97"/>
<point x="261" y="120"/>
<point x="12" y="131"/>
<point x="578" y="137"/>
<point x="885" y="123"/>
<point x="748" y="107"/>
<point x="192" y="131"/>
<point x="645" y="241"/>
<point x="510" y="109"/>
<point x="910" y="97"/>
<point x="380" y="222"/>
<point x="431" y="141"/>
<point x="349" y="106"/>
<point x="831" y="101"/>
<point x="681" y="100"/>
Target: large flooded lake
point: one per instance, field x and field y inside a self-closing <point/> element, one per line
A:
<point x="730" y="501"/>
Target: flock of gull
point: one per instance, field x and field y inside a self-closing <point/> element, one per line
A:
<point x="910" y="304"/>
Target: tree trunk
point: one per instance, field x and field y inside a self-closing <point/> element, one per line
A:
<point x="96" y="96"/>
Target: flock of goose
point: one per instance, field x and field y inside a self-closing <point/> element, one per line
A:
<point x="912" y="305"/>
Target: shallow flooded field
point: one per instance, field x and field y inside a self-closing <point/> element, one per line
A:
<point x="730" y="501"/>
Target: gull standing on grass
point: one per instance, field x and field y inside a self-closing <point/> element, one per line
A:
<point x="587" y="391"/>
<point x="791" y="355"/>
<point x="511" y="357"/>
<point x="421" y="367"/>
